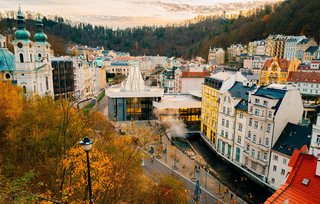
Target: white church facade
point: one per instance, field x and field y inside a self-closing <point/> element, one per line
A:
<point x="30" y="66"/>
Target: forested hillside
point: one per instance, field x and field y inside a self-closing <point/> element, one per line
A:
<point x="294" y="17"/>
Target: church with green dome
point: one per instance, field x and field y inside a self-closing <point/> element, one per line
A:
<point x="29" y="66"/>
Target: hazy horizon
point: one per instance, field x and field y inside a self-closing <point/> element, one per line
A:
<point x="126" y="13"/>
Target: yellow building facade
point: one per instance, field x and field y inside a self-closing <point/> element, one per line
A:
<point x="277" y="70"/>
<point x="209" y="108"/>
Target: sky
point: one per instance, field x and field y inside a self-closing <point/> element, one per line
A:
<point x="128" y="13"/>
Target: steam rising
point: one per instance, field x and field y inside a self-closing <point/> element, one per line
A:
<point x="170" y="117"/>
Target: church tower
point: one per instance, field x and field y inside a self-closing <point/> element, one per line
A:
<point x="33" y="68"/>
<point x="23" y="47"/>
<point x="42" y="47"/>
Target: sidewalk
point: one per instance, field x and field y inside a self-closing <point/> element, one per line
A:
<point x="186" y="167"/>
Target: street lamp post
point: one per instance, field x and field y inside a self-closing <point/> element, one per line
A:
<point x="86" y="144"/>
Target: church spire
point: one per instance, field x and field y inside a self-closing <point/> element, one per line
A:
<point x="21" y="33"/>
<point x="40" y="36"/>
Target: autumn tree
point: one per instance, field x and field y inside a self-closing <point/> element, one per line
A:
<point x="11" y="104"/>
<point x="169" y="190"/>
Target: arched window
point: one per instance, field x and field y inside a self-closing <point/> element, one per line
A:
<point x="21" y="58"/>
<point x="47" y="83"/>
<point x="34" y="87"/>
<point x="39" y="55"/>
<point x="24" y="89"/>
<point x="30" y="57"/>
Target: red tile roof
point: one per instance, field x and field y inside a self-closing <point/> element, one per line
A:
<point x="187" y="74"/>
<point x="308" y="77"/>
<point x="283" y="63"/>
<point x="303" y="67"/>
<point x="126" y="58"/>
<point x="293" y="190"/>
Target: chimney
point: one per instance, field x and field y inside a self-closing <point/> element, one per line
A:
<point x="318" y="167"/>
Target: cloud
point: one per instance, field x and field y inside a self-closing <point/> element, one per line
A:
<point x="202" y="9"/>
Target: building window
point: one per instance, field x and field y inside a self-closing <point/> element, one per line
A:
<point x="24" y="89"/>
<point x="267" y="142"/>
<point x="227" y="123"/>
<point x="30" y="57"/>
<point x="283" y="171"/>
<point x="265" y="156"/>
<point x="318" y="139"/>
<point x="254" y="165"/>
<point x="249" y="135"/>
<point x="47" y="83"/>
<point x="252" y="152"/>
<point x="250" y="122"/>
<point x="284" y="161"/>
<point x="224" y="109"/>
<point x="275" y="157"/>
<point x="257" y="100"/>
<point x="222" y="122"/>
<point x="238" y="154"/>
<point x="229" y="99"/>
<point x="248" y="148"/>
<point x="222" y="133"/>
<point x="21" y="58"/>
<point x="274" y="168"/>
<point x="241" y="115"/>
<point x="227" y="134"/>
<point x="268" y="127"/>
<point x="239" y="139"/>
<point x="240" y="127"/>
<point x="254" y="138"/>
<point x="228" y="111"/>
<point x="273" y="180"/>
<point x="224" y="99"/>
<point x="255" y="125"/>
<point x="251" y="109"/>
<point x="258" y="154"/>
<point x="270" y="114"/>
<point x="265" y="103"/>
<point x="256" y="112"/>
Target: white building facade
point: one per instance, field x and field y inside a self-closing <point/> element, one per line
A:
<point x="270" y="108"/>
<point x="33" y="70"/>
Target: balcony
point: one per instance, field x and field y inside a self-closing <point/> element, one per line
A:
<point x="256" y="160"/>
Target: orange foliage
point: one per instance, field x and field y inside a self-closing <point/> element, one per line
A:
<point x="76" y="179"/>
<point x="265" y="17"/>
<point x="11" y="103"/>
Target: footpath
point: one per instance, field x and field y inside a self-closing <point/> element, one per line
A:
<point x="168" y="159"/>
<point x="193" y="170"/>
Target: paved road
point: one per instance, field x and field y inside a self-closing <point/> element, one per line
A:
<point x="157" y="168"/>
<point x="102" y="106"/>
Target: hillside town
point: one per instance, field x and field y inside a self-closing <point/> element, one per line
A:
<point x="256" y="106"/>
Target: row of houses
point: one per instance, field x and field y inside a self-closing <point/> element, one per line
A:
<point x="255" y="128"/>
<point x="286" y="47"/>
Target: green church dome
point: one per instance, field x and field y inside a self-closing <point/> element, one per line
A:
<point x="21" y="33"/>
<point x="40" y="36"/>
